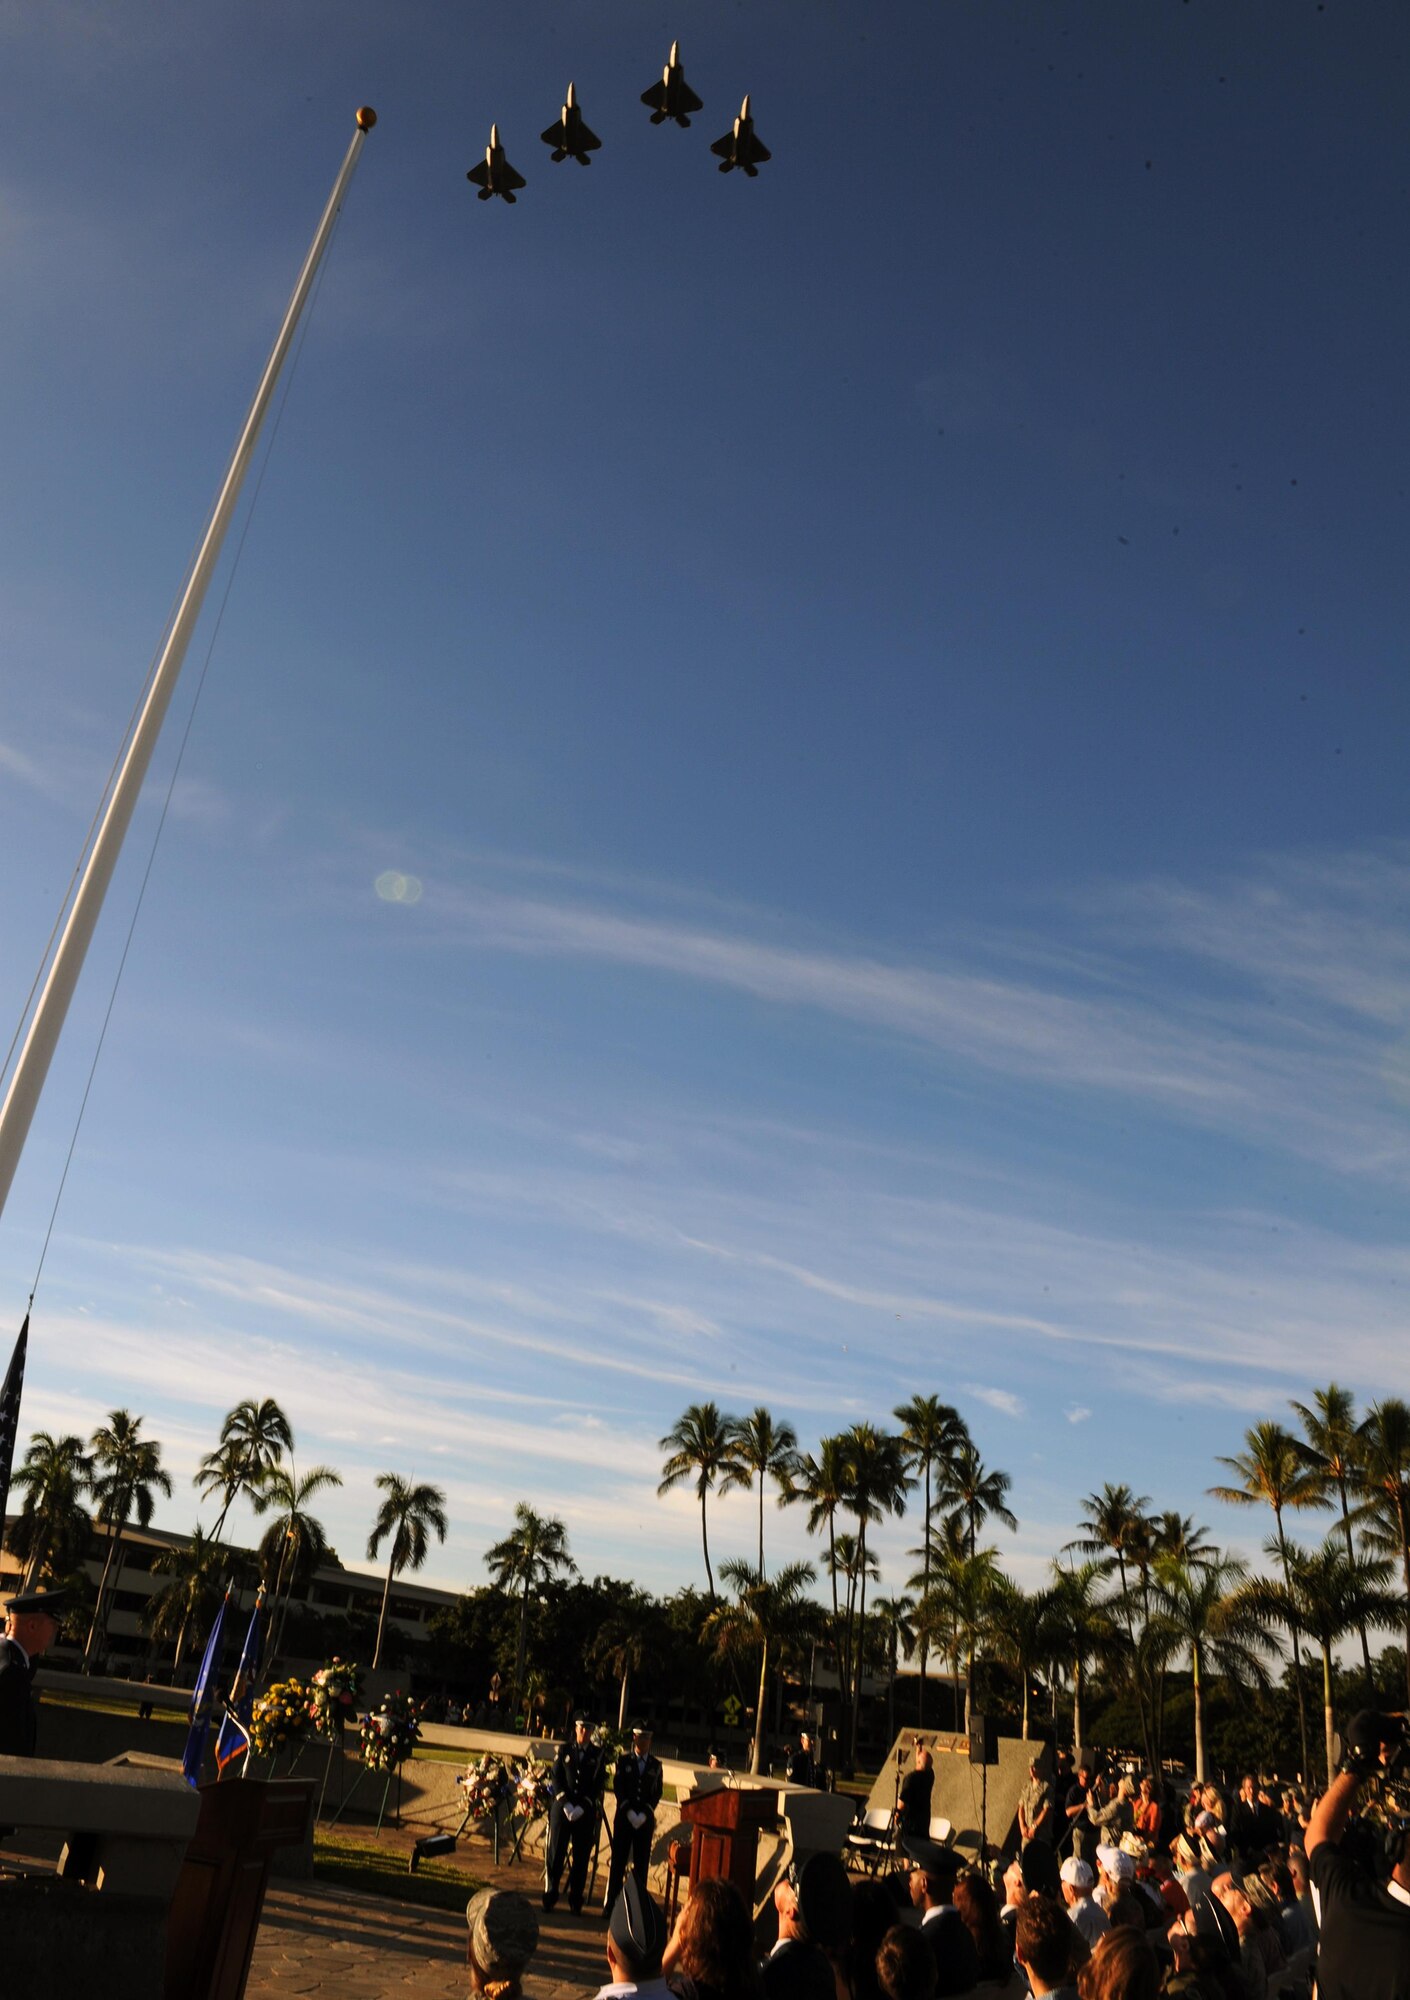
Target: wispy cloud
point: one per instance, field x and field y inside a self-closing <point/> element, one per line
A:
<point x="1002" y="1400"/>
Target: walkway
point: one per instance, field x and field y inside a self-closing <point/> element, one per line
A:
<point x="321" y="1940"/>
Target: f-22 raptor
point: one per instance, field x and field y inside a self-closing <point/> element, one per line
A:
<point x="570" y="138"/>
<point x="672" y="97"/>
<point x="740" y="147"/>
<point x="494" y="175"/>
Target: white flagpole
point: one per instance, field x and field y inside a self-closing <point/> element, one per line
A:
<point x="33" y="1065"/>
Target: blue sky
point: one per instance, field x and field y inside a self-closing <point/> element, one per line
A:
<point x="887" y="681"/>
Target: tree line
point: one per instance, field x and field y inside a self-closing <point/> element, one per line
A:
<point x="1140" y="1608"/>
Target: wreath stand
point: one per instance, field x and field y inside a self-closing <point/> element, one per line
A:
<point x="367" y="1771"/>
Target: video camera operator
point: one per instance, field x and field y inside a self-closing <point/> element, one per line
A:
<point x="1364" y="1952"/>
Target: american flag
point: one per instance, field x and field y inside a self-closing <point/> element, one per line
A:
<point x="10" y="1418"/>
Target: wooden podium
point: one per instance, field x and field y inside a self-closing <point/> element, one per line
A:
<point x="725" y="1833"/>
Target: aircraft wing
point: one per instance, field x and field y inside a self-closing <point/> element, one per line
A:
<point x="588" y="142"/>
<point x="757" y="151"/>
<point x="507" y="178"/>
<point x="656" y="96"/>
<point x="480" y="175"/>
<point x="686" y="99"/>
<point x="725" y="148"/>
<point x="555" y="135"/>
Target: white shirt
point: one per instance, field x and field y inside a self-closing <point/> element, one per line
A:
<point x="647" y="1989"/>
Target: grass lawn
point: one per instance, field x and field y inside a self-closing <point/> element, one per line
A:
<point x="353" y="1863"/>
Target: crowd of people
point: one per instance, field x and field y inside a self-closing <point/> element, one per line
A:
<point x="1120" y="1889"/>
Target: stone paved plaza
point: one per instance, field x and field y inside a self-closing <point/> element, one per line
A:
<point x="321" y="1940"/>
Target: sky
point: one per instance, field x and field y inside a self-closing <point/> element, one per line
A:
<point x="799" y="794"/>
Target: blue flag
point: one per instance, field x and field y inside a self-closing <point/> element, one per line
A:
<point x="234" y="1738"/>
<point x="203" y="1700"/>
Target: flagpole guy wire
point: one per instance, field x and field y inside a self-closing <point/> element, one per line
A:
<point x="32" y="1067"/>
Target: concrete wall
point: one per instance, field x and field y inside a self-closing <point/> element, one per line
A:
<point x="961" y="1794"/>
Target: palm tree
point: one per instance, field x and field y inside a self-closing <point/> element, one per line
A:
<point x="760" y="1448"/>
<point x="129" y="1475"/>
<point x="1201" y="1614"/>
<point x="821" y="1481"/>
<point x="1333" y="1451"/>
<point x="55" y="1475"/>
<point x="197" y="1569"/>
<point x="1328" y="1594"/>
<point x="958" y="1604"/>
<point x="623" y="1644"/>
<point x="533" y="1551"/>
<point x="405" y="1519"/>
<point x="975" y="1492"/>
<point x="1385" y="1481"/>
<point x="698" y="1445"/>
<point x="764" y="1611"/>
<point x="1020" y="1627"/>
<point x="253" y="1439"/>
<point x="294" y="1542"/>
<point x="1079" y="1626"/>
<point x="876" y="1483"/>
<point x="1273" y="1472"/>
<point x="893" y="1618"/>
<point x="1117" y="1527"/>
<point x="932" y="1433"/>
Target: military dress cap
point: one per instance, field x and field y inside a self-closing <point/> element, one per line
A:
<point x="504" y="1932"/>
<point x="580" y="1716"/>
<point x="637" y="1927"/>
<point x="638" y="1727"/>
<point x="932" y="1857"/>
<point x="53" y="1603"/>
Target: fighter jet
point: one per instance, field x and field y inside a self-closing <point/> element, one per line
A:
<point x="570" y="137"/>
<point x="672" y="97"/>
<point x="494" y="175"/>
<point x="739" y="147"/>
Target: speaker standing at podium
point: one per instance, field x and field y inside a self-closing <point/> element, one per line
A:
<point x="636" y="1786"/>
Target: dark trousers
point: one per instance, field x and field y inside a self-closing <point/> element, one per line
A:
<point x="631" y="1846"/>
<point x="567" y="1839"/>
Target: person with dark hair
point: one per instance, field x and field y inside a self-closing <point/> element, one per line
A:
<point x="1122" y="1967"/>
<point x="931" y="1883"/>
<point x="1081" y="1839"/>
<point x="636" y="1938"/>
<point x="905" y="1965"/>
<point x="1364" y="1949"/>
<point x="502" y="1934"/>
<point x="814" y="1919"/>
<point x="873" y="1914"/>
<point x="1042" y="1944"/>
<point x="979" y="1908"/>
<point x="713" y="1944"/>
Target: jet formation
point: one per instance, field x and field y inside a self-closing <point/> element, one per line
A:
<point x="671" y="99"/>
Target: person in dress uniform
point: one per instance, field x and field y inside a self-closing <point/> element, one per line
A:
<point x="803" y="1765"/>
<point x="572" y="1817"/>
<point x="31" y="1629"/>
<point x="636" y="1786"/>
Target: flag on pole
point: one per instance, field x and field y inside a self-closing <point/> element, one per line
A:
<point x="234" y="1738"/>
<point x="10" y="1419"/>
<point x="203" y="1700"/>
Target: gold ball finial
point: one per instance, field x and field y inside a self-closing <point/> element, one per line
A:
<point x="366" y="118"/>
